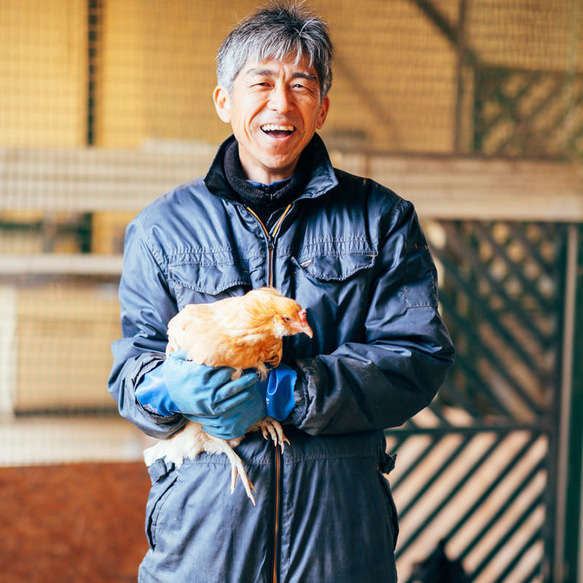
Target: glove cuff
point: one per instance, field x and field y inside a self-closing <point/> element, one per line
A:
<point x="153" y="395"/>
<point x="279" y="396"/>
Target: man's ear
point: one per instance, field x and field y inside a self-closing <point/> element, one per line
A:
<point x="323" y="112"/>
<point x="222" y="101"/>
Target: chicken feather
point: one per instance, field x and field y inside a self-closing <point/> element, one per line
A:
<point x="242" y="332"/>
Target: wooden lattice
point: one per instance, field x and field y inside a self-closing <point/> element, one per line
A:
<point x="527" y="113"/>
<point x="476" y="470"/>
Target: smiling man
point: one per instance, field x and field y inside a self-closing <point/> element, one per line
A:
<point x="273" y="211"/>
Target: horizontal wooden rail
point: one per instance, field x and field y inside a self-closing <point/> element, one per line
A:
<point x="479" y="188"/>
<point x="94" y="180"/>
<point x="91" y="179"/>
<point x="60" y="264"/>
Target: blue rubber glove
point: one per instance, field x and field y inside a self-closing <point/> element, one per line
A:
<point x="224" y="408"/>
<point x="279" y="396"/>
<point x="154" y="395"/>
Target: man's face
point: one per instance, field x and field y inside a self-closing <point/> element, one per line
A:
<point x="274" y="110"/>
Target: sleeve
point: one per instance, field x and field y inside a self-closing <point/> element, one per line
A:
<point x="406" y="350"/>
<point x="146" y="307"/>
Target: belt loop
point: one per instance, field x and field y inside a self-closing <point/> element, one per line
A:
<point x="388" y="463"/>
<point x="159" y="469"/>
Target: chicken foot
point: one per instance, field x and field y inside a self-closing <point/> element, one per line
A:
<point x="237" y="468"/>
<point x="271" y="428"/>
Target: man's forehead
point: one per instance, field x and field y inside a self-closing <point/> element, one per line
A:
<point x="298" y="67"/>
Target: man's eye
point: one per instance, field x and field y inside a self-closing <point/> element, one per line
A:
<point x="303" y="89"/>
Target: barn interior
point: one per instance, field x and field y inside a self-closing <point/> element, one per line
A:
<point x="471" y="109"/>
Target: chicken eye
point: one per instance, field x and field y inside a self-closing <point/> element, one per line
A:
<point x="287" y="319"/>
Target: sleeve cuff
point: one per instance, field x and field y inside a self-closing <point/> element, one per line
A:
<point x="152" y="395"/>
<point x="279" y="397"/>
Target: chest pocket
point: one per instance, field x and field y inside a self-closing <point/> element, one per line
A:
<point x="335" y="260"/>
<point x="203" y="277"/>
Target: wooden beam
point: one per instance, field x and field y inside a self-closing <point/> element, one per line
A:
<point x="480" y="189"/>
<point x="59" y="264"/>
<point x="94" y="180"/>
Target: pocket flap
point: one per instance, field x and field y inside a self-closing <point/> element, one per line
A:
<point x="208" y="273"/>
<point x="335" y="260"/>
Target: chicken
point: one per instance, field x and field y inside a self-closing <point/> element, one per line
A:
<point x="243" y="332"/>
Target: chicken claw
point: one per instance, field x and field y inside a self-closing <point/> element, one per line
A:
<point x="272" y="428"/>
<point x="237" y="468"/>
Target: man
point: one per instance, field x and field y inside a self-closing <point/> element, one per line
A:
<point x="273" y="211"/>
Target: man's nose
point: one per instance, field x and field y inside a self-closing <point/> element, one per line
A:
<point x="280" y="99"/>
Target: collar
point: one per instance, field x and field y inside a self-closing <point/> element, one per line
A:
<point x="321" y="177"/>
<point x="271" y="188"/>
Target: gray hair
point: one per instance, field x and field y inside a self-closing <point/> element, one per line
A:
<point x="278" y="30"/>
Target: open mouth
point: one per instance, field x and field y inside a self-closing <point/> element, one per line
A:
<point x="278" y="131"/>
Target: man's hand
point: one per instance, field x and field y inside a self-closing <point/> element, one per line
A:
<point x="225" y="408"/>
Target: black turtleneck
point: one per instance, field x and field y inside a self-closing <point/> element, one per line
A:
<point x="265" y="199"/>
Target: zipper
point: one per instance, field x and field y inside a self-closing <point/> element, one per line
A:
<point x="271" y="238"/>
<point x="278" y="456"/>
<point x="275" y="577"/>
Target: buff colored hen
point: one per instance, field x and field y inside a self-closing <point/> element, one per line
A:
<point x="243" y="332"/>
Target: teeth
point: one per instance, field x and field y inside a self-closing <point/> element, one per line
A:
<point x="270" y="127"/>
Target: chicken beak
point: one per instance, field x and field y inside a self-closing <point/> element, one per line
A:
<point x="304" y="326"/>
